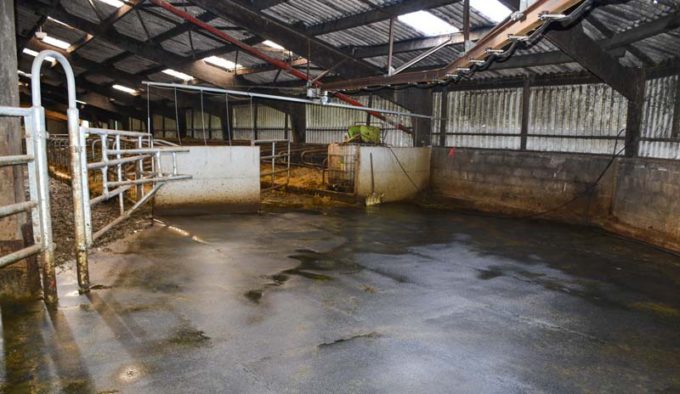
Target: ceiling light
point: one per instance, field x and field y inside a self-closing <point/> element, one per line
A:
<point x="113" y="3"/>
<point x="221" y="62"/>
<point x="31" y="52"/>
<point x="178" y="75"/>
<point x="23" y="74"/>
<point x="428" y="24"/>
<point x="59" y="22"/>
<point x="492" y="9"/>
<point x="56" y="42"/>
<point x="125" y="89"/>
<point x="273" y="45"/>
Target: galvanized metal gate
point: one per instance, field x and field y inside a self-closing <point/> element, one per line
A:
<point x="279" y="153"/>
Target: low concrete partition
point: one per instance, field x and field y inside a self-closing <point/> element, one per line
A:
<point x="637" y="197"/>
<point x="224" y="177"/>
<point x="390" y="179"/>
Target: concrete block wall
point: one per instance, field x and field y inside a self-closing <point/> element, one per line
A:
<point x="636" y="197"/>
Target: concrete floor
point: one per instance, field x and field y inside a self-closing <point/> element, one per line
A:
<point x="396" y="299"/>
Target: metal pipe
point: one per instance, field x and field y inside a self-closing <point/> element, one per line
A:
<point x="142" y="181"/>
<point x="20" y="255"/>
<point x="115" y="162"/>
<point x="15" y="160"/>
<point x="420" y="57"/>
<point x="14" y="111"/>
<point x="390" y="51"/>
<point x="98" y="131"/>
<point x="282" y="98"/>
<point x="110" y="194"/>
<point x="13" y="209"/>
<point x="127" y="213"/>
<point x="147" y="150"/>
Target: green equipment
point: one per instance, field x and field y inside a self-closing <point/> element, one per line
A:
<point x="363" y="133"/>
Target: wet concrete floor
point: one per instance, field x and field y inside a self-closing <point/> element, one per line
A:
<point x="395" y="299"/>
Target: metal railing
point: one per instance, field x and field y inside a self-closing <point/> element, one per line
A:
<point x="279" y="153"/>
<point x="128" y="164"/>
<point x="38" y="204"/>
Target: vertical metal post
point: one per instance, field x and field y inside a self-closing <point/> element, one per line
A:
<point x="444" y="115"/>
<point x="140" y="171"/>
<point x="466" y="25"/>
<point x="38" y="131"/>
<point x="526" y="106"/>
<point x="119" y="170"/>
<point x="81" y="195"/>
<point x="273" y="164"/>
<point x="675" y="128"/>
<point x="391" y="47"/>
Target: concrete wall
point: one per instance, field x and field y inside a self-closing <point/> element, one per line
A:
<point x="636" y="197"/>
<point x="390" y="179"/>
<point x="222" y="176"/>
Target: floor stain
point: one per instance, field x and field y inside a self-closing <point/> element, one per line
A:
<point x="369" y="335"/>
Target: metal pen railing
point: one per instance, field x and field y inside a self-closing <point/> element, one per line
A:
<point x="38" y="205"/>
<point x="282" y="156"/>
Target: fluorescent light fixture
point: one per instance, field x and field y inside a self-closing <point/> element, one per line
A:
<point x="125" y="89"/>
<point x="492" y="9"/>
<point x="59" y="22"/>
<point x="273" y="45"/>
<point x="427" y="23"/>
<point x="31" y="52"/>
<point x="113" y="3"/>
<point x="178" y="75"/>
<point x="221" y="62"/>
<point x="23" y="74"/>
<point x="55" y="42"/>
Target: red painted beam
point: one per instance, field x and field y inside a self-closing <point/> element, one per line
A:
<point x="263" y="56"/>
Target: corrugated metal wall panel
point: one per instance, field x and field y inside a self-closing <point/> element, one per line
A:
<point x="478" y="119"/>
<point x="576" y="118"/>
<point x="657" y="127"/>
<point x="327" y="125"/>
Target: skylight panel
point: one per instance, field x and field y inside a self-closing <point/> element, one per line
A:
<point x="125" y="89"/>
<point x="492" y="9"/>
<point x="222" y="63"/>
<point x="113" y="3"/>
<point x="273" y="45"/>
<point x="56" y="42"/>
<point x="178" y="75"/>
<point x="428" y="24"/>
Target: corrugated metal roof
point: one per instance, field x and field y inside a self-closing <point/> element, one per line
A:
<point x="617" y="18"/>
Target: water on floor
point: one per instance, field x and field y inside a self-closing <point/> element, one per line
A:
<point x="392" y="299"/>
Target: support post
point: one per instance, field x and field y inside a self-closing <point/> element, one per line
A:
<point x="466" y="25"/>
<point x="16" y="281"/>
<point x="675" y="130"/>
<point x="443" y="113"/>
<point x="298" y="122"/>
<point x="182" y="123"/>
<point x="526" y="106"/>
<point x="634" y="120"/>
<point x="390" y="51"/>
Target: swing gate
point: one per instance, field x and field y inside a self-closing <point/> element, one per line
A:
<point x="272" y="152"/>
<point x="128" y="165"/>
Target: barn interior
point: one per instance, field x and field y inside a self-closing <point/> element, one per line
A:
<point x="339" y="196"/>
